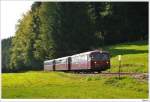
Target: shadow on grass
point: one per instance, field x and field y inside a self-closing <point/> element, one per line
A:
<point x="138" y="43"/>
<point x="115" y="52"/>
<point x="23" y="71"/>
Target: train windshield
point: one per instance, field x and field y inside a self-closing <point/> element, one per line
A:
<point x="99" y="56"/>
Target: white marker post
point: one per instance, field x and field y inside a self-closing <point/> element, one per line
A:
<point x="119" y="58"/>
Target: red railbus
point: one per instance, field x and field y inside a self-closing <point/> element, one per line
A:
<point x="61" y="64"/>
<point x="100" y="60"/>
<point x="87" y="61"/>
<point x="92" y="60"/>
<point x="49" y="65"/>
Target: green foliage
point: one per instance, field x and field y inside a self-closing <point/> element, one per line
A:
<point x="56" y="29"/>
<point x="62" y="85"/>
<point x="121" y="21"/>
<point x="6" y="47"/>
<point x="44" y="43"/>
<point x="71" y="25"/>
<point x="22" y="43"/>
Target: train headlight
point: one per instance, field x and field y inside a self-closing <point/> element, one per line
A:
<point x="107" y="62"/>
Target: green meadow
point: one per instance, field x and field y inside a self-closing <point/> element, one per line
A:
<point x="60" y="85"/>
<point x="134" y="57"/>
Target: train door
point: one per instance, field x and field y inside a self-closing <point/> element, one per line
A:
<point x="69" y="63"/>
<point x="53" y="65"/>
<point x="88" y="62"/>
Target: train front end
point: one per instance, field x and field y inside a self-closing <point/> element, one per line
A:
<point x="100" y="60"/>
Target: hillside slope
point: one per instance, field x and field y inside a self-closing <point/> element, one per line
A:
<point x="60" y="85"/>
<point x="134" y="56"/>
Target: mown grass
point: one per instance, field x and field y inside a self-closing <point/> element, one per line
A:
<point x="64" y="85"/>
<point x="51" y="85"/>
<point x="134" y="56"/>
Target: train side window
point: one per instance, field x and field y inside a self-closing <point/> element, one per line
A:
<point x="48" y="63"/>
<point x="88" y="58"/>
<point x="58" y="61"/>
<point x="63" y="61"/>
<point x="74" y="59"/>
<point x="85" y="57"/>
<point x="80" y="58"/>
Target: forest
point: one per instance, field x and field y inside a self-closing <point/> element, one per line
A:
<point x="56" y="29"/>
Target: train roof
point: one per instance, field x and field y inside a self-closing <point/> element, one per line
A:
<point x="89" y="52"/>
<point x="57" y="59"/>
<point x="62" y="58"/>
<point x="48" y="61"/>
<point x="84" y="53"/>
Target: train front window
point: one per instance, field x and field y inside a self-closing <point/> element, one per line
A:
<point x="99" y="56"/>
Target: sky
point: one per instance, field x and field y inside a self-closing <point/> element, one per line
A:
<point x="11" y="12"/>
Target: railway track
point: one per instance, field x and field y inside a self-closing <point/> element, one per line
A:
<point x="135" y="75"/>
<point x="123" y="73"/>
<point x="143" y="76"/>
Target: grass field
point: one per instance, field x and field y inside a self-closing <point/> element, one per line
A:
<point x="134" y="57"/>
<point x="39" y="84"/>
<point x="63" y="85"/>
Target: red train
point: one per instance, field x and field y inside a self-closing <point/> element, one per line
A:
<point x="87" y="61"/>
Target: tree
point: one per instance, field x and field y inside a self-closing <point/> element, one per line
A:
<point x="32" y="44"/>
<point x="23" y="43"/>
<point x="72" y="29"/>
<point x="44" y="43"/>
<point x="56" y="29"/>
<point x="6" y="47"/>
<point x="100" y="13"/>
